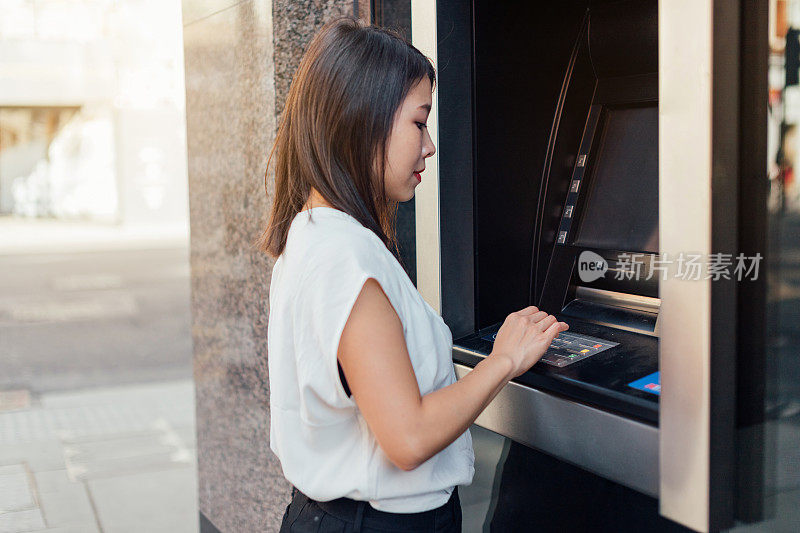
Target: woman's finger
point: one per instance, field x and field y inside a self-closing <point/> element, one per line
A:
<point x="528" y="310"/>
<point x="537" y="317"/>
<point x="546" y="322"/>
<point x="553" y="330"/>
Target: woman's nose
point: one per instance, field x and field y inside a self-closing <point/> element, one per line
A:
<point x="430" y="149"/>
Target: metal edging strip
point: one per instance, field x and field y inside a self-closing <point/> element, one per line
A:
<point x="426" y="197"/>
<point x="685" y="33"/>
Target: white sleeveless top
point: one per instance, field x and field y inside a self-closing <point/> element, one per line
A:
<point x="324" y="445"/>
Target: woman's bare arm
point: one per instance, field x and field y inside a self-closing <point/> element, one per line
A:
<point x="411" y="428"/>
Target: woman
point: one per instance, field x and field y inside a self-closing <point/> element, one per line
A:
<point x="367" y="418"/>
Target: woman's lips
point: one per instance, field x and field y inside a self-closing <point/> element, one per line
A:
<point x="418" y="176"/>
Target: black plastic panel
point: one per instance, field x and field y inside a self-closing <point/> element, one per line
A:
<point x="601" y="380"/>
<point x="517" y="89"/>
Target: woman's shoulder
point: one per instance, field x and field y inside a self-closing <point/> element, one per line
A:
<point x="331" y="229"/>
<point x="330" y="239"/>
<point x="330" y="259"/>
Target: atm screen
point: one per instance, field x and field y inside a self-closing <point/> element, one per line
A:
<point x="621" y="211"/>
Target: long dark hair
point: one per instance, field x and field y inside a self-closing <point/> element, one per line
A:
<point x="339" y="114"/>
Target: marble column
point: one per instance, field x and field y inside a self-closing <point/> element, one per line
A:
<point x="239" y="60"/>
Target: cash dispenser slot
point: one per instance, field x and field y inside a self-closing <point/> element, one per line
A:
<point x="630" y="312"/>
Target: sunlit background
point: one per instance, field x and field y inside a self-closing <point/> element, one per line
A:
<point x="92" y="111"/>
<point x="96" y="394"/>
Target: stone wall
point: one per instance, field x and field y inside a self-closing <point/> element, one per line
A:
<point x="239" y="61"/>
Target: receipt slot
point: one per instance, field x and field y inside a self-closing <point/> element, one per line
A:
<point x="589" y="161"/>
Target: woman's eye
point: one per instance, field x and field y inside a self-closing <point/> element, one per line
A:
<point x="421" y="125"/>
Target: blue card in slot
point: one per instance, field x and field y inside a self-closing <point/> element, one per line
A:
<point x="651" y="383"/>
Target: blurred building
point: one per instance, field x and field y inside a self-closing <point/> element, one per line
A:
<point x="92" y="113"/>
<point x="784" y="104"/>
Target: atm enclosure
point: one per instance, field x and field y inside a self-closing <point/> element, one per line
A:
<point x="584" y="136"/>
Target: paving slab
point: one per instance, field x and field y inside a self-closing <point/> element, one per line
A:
<point x="82" y="528"/>
<point x="64" y="502"/>
<point x="19" y="521"/>
<point x="38" y="456"/>
<point x="9" y="469"/>
<point x="160" y="448"/>
<point x="16" y="492"/>
<point x="155" y="502"/>
<point x="151" y="394"/>
<point x="63" y="416"/>
<point x="112" y="459"/>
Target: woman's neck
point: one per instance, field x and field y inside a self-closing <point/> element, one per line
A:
<point x="315" y="200"/>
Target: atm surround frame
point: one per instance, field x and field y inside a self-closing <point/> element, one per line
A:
<point x="738" y="90"/>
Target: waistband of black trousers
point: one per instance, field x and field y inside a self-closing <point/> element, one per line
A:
<point x="357" y="511"/>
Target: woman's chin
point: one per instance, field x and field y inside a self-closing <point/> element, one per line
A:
<point x="413" y="191"/>
<point x="402" y="198"/>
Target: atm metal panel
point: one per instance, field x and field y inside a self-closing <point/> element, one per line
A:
<point x="615" y="447"/>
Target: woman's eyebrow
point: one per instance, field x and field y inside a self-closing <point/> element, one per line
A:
<point x="426" y="107"/>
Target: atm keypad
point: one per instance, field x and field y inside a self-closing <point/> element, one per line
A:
<point x="568" y="348"/>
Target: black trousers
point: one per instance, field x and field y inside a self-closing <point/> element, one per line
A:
<point x="304" y="515"/>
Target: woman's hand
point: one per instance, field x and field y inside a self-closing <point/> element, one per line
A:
<point x="524" y="338"/>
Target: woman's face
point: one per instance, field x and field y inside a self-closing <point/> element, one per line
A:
<point x="409" y="144"/>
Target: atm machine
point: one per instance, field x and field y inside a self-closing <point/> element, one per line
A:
<point x="591" y="157"/>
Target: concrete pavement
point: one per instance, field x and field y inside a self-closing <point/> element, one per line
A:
<point x="84" y="305"/>
<point x="100" y="460"/>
